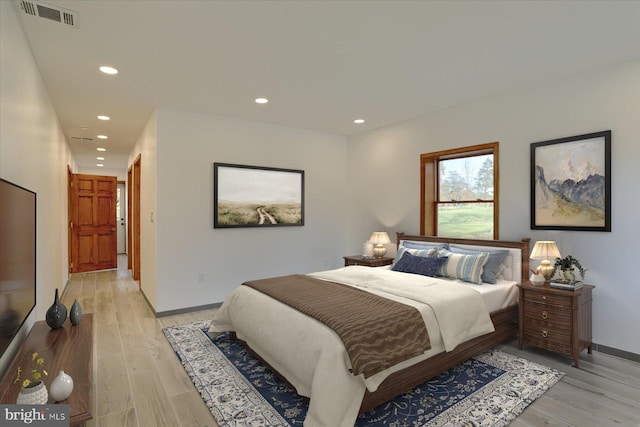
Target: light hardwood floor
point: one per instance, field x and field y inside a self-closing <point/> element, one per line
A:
<point x="139" y="381"/>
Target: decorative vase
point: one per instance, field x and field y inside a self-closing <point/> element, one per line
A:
<point x="75" y="314"/>
<point x="61" y="387"/>
<point x="567" y="275"/>
<point x="537" y="279"/>
<point x="57" y="313"/>
<point x="34" y="395"/>
<point x="367" y="250"/>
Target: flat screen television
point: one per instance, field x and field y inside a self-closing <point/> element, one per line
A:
<point x="17" y="259"/>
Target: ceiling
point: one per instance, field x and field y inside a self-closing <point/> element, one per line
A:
<point x="321" y="64"/>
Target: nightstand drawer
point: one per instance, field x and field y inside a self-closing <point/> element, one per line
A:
<point x="557" y="315"/>
<point x="543" y="298"/>
<point x="549" y="338"/>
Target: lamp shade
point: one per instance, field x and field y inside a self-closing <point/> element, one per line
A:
<point x="380" y="238"/>
<point x="545" y="249"/>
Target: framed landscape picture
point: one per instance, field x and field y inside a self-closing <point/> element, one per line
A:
<point x="257" y="196"/>
<point x="571" y="183"/>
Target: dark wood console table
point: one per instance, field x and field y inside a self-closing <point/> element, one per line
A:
<point x="69" y="349"/>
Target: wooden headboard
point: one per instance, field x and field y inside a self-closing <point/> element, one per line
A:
<point x="522" y="245"/>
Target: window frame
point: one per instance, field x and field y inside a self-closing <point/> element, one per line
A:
<point x="430" y="185"/>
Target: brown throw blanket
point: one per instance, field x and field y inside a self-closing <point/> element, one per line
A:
<point x="377" y="332"/>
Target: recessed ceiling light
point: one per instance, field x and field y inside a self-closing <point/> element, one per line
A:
<point x="99" y="158"/>
<point x="358" y="121"/>
<point x="104" y="117"/>
<point x="99" y="165"/>
<point x="108" y="70"/>
<point x="102" y="136"/>
<point x="261" y="100"/>
<point x="101" y="149"/>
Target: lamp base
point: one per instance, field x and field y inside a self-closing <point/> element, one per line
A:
<point x="546" y="269"/>
<point x="379" y="251"/>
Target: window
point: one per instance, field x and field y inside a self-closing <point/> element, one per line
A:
<point x="459" y="192"/>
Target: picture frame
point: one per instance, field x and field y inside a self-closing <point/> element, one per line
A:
<point x="571" y="183"/>
<point x="257" y="196"/>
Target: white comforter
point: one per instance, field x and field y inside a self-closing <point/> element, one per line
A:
<point x="312" y="357"/>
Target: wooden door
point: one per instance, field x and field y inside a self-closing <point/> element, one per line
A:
<point x="129" y="222"/>
<point x="93" y="223"/>
<point x="69" y="239"/>
<point x="136" y="219"/>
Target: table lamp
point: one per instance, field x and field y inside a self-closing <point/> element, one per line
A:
<point x="379" y="239"/>
<point x="545" y="250"/>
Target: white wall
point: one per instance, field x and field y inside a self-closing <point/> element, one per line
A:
<point x="604" y="99"/>
<point x="34" y="155"/>
<point x="120" y="174"/>
<point x="198" y="265"/>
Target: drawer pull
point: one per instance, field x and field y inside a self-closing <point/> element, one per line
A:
<point x="544" y="315"/>
<point x="544" y="334"/>
<point x="544" y="297"/>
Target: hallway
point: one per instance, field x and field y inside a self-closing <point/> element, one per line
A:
<point x="138" y="380"/>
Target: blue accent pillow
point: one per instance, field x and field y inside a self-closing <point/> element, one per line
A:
<point x="492" y="266"/>
<point x="425" y="266"/>
<point x="423" y="252"/>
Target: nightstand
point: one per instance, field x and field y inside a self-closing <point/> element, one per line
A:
<point x="556" y="319"/>
<point x="369" y="262"/>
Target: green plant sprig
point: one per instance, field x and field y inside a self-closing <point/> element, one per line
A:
<point x="568" y="263"/>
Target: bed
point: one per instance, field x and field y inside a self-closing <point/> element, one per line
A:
<point x="312" y="358"/>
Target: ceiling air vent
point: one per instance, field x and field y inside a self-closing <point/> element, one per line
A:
<point x="47" y="11"/>
<point x="81" y="138"/>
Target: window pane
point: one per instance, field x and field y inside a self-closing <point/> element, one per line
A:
<point x="466" y="220"/>
<point x="468" y="178"/>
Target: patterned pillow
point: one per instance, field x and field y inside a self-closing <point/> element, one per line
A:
<point x="431" y="252"/>
<point x="419" y="265"/>
<point x="492" y="267"/>
<point x="464" y="267"/>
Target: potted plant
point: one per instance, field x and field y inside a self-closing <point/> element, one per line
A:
<point x="33" y="390"/>
<point x="567" y="266"/>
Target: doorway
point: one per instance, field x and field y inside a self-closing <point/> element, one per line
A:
<point x="92" y="223"/>
<point x="134" y="224"/>
<point x="120" y="217"/>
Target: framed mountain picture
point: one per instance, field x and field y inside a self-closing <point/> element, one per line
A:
<point x="571" y="183"/>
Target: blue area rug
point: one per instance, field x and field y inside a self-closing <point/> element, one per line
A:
<point x="490" y="389"/>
